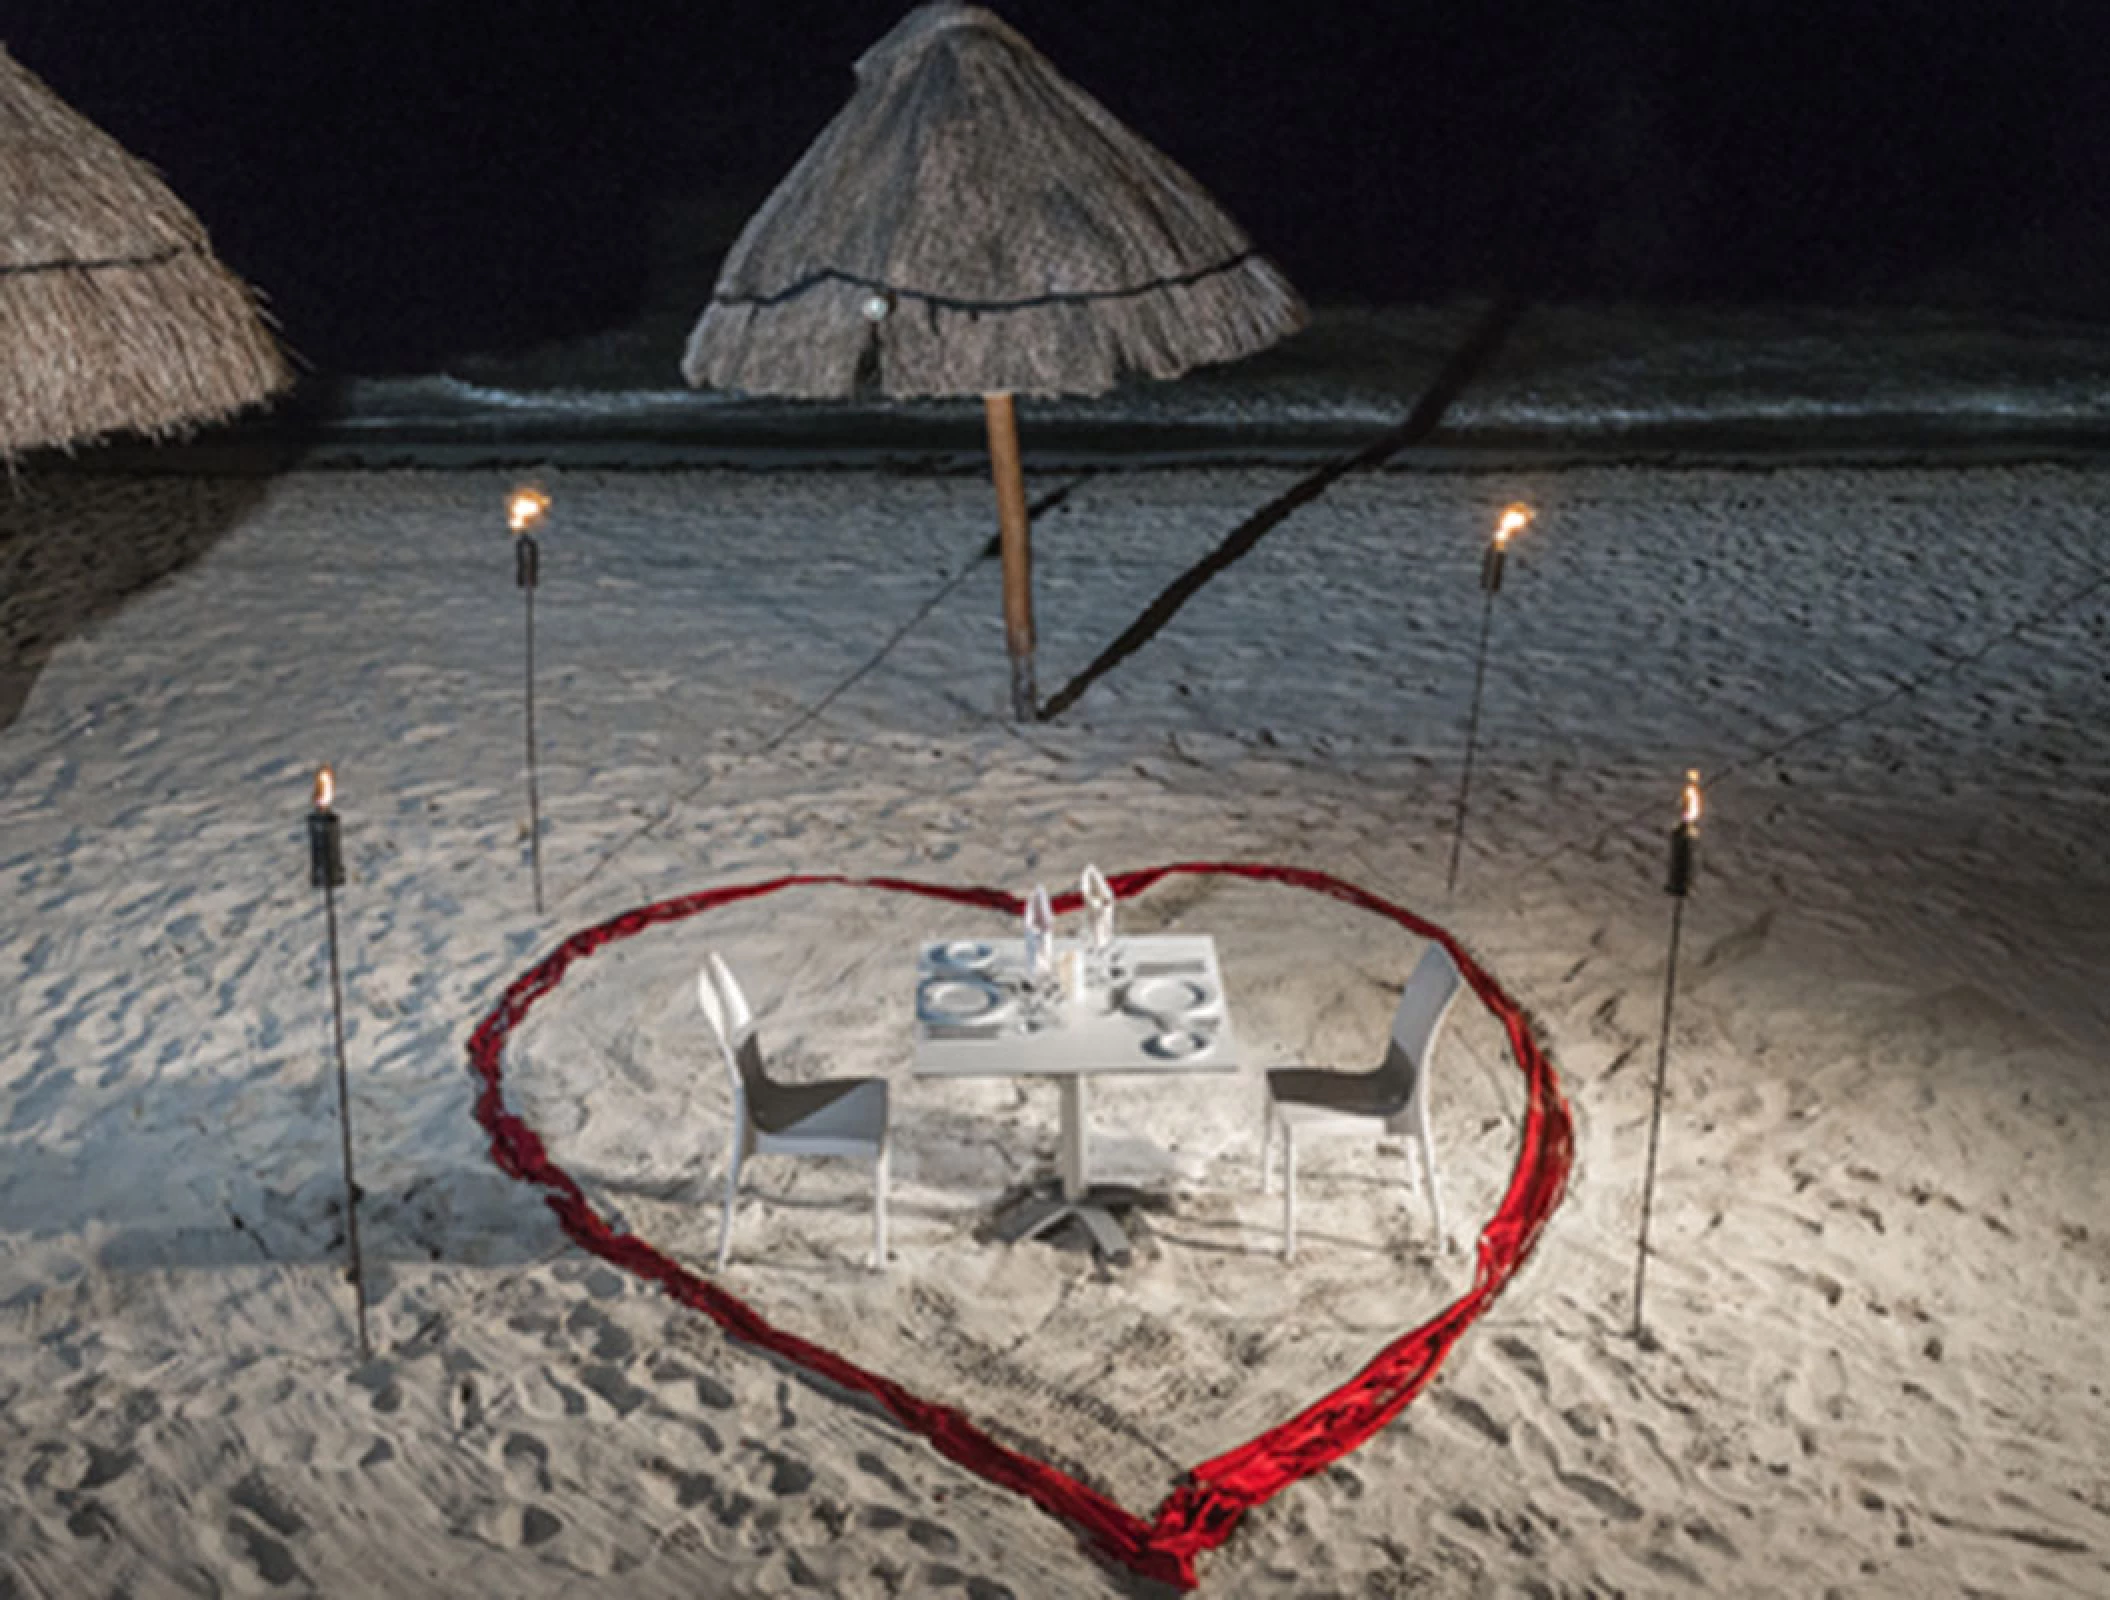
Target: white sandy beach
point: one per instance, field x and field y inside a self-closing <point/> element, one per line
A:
<point x="1881" y="1285"/>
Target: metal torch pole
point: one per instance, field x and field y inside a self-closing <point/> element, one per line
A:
<point x="528" y="573"/>
<point x="326" y="871"/>
<point x="1491" y="582"/>
<point x="344" y="1127"/>
<point x="1682" y="840"/>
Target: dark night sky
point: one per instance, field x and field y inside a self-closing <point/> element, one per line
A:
<point x="415" y="180"/>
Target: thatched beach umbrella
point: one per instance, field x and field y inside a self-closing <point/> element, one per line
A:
<point x="114" y="314"/>
<point x="974" y="223"/>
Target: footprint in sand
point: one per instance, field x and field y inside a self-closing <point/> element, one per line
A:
<point x="255" y="1495"/>
<point x="931" y="1538"/>
<point x="273" y="1562"/>
<point x="786" y="1476"/>
<point x="872" y="1466"/>
<point x="525" y="1461"/>
<point x="518" y="1527"/>
<point x="465" y="1403"/>
<point x="885" y="1519"/>
<point x="940" y="1576"/>
<point x="709" y="1392"/>
<point x="1525" y="1360"/>
<point x="378" y="1378"/>
<point x="106" y="1467"/>
<point x="544" y="1394"/>
<point x="610" y="1383"/>
<point x="1346" y="1479"/>
<point x="260" y="1525"/>
<point x="1706" y="1535"/>
<point x="1602" y="1495"/>
<point x="87" y="1518"/>
<point x="1474" y="1415"/>
<point x="729" y="1508"/>
<point x="1733" y="949"/>
<point x="1520" y="1533"/>
<point x="610" y="1342"/>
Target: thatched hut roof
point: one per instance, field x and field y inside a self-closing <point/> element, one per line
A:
<point x="973" y="222"/>
<point x="114" y="314"/>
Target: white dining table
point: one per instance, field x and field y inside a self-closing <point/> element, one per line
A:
<point x="1164" y="1012"/>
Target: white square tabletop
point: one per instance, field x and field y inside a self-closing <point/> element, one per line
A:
<point x="1096" y="1030"/>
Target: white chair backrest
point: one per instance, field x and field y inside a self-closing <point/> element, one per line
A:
<point x="714" y="1013"/>
<point x="738" y="1016"/>
<point x="726" y="1007"/>
<point x="1430" y="990"/>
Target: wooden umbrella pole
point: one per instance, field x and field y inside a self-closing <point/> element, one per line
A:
<point x="1017" y="547"/>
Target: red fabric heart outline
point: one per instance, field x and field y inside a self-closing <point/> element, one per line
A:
<point x="1202" y="1512"/>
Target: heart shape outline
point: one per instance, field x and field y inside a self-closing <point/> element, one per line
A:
<point x="1212" y="1496"/>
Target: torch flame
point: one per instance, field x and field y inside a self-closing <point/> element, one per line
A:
<point x="325" y="788"/>
<point x="1690" y="802"/>
<point x="525" y="508"/>
<point x="1515" y="519"/>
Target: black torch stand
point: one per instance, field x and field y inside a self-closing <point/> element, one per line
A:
<point x="1682" y="840"/>
<point x="326" y="872"/>
<point x="1491" y="584"/>
<point x="527" y="573"/>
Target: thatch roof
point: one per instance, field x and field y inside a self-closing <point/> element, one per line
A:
<point x="114" y="314"/>
<point x="973" y="222"/>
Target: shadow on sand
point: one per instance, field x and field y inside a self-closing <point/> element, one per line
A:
<point x="1466" y="363"/>
<point x="76" y="544"/>
<point x="466" y="1215"/>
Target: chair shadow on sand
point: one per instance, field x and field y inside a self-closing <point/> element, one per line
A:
<point x="76" y="544"/>
<point x="465" y="1216"/>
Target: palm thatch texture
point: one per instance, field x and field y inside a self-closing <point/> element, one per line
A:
<point x="974" y="223"/>
<point x="114" y="313"/>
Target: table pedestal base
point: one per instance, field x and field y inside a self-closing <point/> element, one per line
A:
<point x="1041" y="1213"/>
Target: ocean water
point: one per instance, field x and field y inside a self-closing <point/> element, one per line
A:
<point x="1591" y="381"/>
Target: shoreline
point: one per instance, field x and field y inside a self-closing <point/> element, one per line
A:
<point x="1545" y="386"/>
<point x="941" y="448"/>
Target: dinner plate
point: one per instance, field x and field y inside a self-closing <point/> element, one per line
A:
<point x="957" y="1000"/>
<point x="964" y="955"/>
<point x="1168" y="997"/>
<point x="1178" y="1044"/>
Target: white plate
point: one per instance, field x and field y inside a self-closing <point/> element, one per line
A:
<point x="964" y="955"/>
<point x="955" y="1000"/>
<point x="1168" y="997"/>
<point x="1179" y="1044"/>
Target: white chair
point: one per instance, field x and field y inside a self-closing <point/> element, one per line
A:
<point x="833" y="1117"/>
<point x="1395" y="1094"/>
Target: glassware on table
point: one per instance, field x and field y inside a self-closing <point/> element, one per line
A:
<point x="1102" y="957"/>
<point x="1041" y="988"/>
<point x="1039" y="922"/>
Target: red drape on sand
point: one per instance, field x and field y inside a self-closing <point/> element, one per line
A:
<point x="1202" y="1512"/>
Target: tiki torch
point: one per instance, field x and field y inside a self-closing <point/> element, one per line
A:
<point x="1684" y="861"/>
<point x="523" y="511"/>
<point x="326" y="872"/>
<point x="1514" y="520"/>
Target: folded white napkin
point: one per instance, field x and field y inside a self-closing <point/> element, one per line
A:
<point x="1040" y="934"/>
<point x="1099" y="906"/>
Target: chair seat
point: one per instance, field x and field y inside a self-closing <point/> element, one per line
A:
<point x="1351" y="1094"/>
<point x="831" y="1117"/>
<point x="833" y="1108"/>
<point x="1394" y="1094"/>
